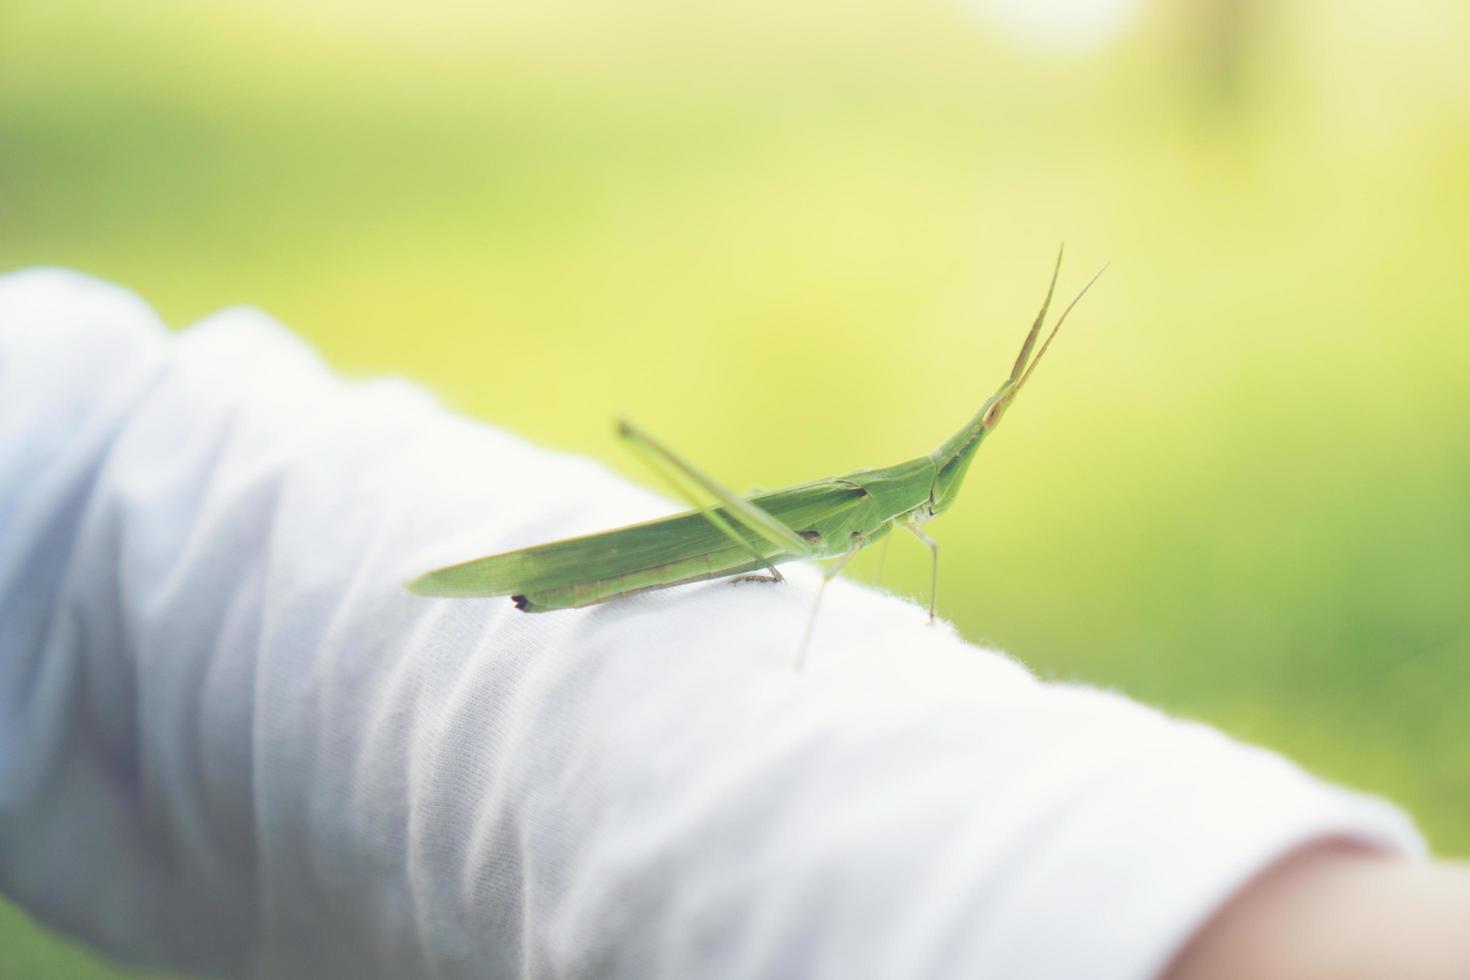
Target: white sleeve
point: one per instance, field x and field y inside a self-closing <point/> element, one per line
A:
<point x="231" y="742"/>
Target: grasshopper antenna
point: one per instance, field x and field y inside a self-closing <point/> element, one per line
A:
<point x="1022" y="372"/>
<point x="1021" y="358"/>
<point x="1060" y="320"/>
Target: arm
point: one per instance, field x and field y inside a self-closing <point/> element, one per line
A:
<point x="231" y="742"/>
<point x="1335" y="911"/>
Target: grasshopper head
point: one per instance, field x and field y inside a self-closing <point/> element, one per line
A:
<point x="953" y="458"/>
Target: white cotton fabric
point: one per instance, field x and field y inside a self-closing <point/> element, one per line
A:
<point x="230" y="742"/>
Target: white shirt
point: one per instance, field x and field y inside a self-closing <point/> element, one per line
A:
<point x="230" y="741"/>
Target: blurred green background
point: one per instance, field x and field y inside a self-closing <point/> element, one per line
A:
<point x="798" y="238"/>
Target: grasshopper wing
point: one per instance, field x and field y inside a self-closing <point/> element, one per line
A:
<point x="681" y="548"/>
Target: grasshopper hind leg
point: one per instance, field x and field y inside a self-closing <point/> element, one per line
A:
<point x="774" y="576"/>
<point x="732" y="510"/>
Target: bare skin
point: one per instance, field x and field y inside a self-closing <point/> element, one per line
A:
<point x="1334" y="911"/>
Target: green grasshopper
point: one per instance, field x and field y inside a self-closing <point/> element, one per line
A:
<point x="832" y="518"/>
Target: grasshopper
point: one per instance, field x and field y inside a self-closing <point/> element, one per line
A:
<point x="833" y="518"/>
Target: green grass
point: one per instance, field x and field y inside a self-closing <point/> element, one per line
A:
<point x="797" y="240"/>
